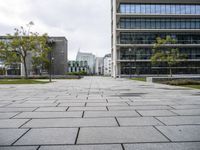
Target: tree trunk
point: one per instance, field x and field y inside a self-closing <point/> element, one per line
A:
<point x="170" y="70"/>
<point x="25" y="68"/>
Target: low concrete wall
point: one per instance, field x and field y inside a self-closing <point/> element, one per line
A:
<point x="160" y="79"/>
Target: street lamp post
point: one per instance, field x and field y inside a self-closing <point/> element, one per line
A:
<point x="135" y="58"/>
<point x="130" y="62"/>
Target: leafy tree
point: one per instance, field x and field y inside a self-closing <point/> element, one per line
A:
<point x="24" y="43"/>
<point x="164" y="52"/>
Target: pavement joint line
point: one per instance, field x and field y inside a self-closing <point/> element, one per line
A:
<point x="21" y="136"/>
<point x="162" y="133"/>
<point x="38" y="147"/>
<point x="171" y="107"/>
<point x="160" y="121"/>
<point x="35" y="109"/>
<point x="123" y="148"/>
<point x="67" y="108"/>
<point x="77" y="136"/>
<point x="174" y="112"/>
<point x="103" y="143"/>
<point x="117" y="121"/>
<point x="138" y="113"/>
<point x="15" y="115"/>
<point x="57" y="104"/>
<point x="83" y="114"/>
<point x="25" y="123"/>
<point x="107" y="108"/>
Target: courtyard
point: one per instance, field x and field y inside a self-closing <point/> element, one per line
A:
<point x="99" y="113"/>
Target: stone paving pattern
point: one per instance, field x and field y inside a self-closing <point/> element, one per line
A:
<point x="99" y="113"/>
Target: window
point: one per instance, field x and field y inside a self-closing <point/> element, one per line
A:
<point x="197" y="9"/>
<point x="188" y="9"/>
<point x="153" y="9"/>
<point x="178" y="9"/>
<point x="143" y="9"/>
<point x="187" y="24"/>
<point x="163" y="9"/>
<point x="168" y="9"/>
<point x="128" y="8"/>
<point x="137" y="6"/>
<point x="148" y="9"/>
<point x="173" y="9"/>
<point x="133" y="9"/>
<point x="158" y="9"/>
<point x="122" y="8"/>
<point x="183" y="8"/>
<point x="193" y="9"/>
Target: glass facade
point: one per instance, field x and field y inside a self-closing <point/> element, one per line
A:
<point x="146" y="53"/>
<point x="159" y="23"/>
<point x="158" y="20"/>
<point x="147" y="68"/>
<point x="150" y="38"/>
<point x="158" y="9"/>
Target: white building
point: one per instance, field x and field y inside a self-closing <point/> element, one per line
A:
<point x="90" y="58"/>
<point x="99" y="66"/>
<point x="107" y="62"/>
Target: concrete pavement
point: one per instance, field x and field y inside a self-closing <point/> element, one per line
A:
<point x="99" y="113"/>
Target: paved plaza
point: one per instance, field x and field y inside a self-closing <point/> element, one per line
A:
<point x="99" y="113"/>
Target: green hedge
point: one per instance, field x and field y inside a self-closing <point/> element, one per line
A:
<point x="81" y="73"/>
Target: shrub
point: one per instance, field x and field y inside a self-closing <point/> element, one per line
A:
<point x="182" y="82"/>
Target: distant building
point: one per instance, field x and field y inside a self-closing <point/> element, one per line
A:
<point x="59" y="55"/>
<point x="78" y="66"/>
<point x="90" y="58"/>
<point x="59" y="59"/>
<point x="107" y="63"/>
<point x="99" y="66"/>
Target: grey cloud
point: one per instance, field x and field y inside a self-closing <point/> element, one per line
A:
<point x="86" y="23"/>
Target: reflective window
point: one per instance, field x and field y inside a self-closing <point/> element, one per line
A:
<point x="137" y="9"/>
<point x="163" y="23"/>
<point x="162" y="7"/>
<point x="159" y="8"/>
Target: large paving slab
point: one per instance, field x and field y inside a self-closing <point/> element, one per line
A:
<point x="119" y="135"/>
<point x="181" y="133"/>
<point x="138" y="121"/>
<point x="49" y="114"/>
<point x="9" y="136"/>
<point x="49" y="136"/>
<point x="110" y="113"/>
<point x="83" y="147"/>
<point x="12" y="123"/>
<point x="71" y="122"/>
<point x="19" y="148"/>
<point x="180" y="120"/>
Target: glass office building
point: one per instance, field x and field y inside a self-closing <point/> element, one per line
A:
<point x="137" y="23"/>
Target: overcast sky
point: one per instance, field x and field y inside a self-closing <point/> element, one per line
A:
<point x="85" y="23"/>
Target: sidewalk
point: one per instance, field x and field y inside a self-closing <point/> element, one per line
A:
<point x="99" y="113"/>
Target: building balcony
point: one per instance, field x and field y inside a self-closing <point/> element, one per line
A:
<point x="140" y="15"/>
<point x="158" y="30"/>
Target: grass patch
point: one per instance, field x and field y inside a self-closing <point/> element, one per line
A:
<point x="192" y="86"/>
<point x="22" y="81"/>
<point x="184" y="83"/>
<point x="139" y="79"/>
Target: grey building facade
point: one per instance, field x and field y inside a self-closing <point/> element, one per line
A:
<point x="59" y="56"/>
<point x="137" y="23"/>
